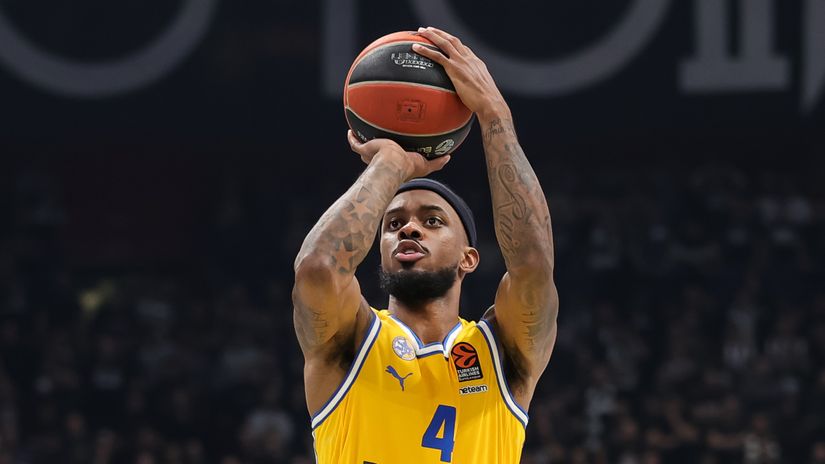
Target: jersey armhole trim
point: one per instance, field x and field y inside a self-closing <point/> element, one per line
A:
<point x="352" y="373"/>
<point x="503" y="387"/>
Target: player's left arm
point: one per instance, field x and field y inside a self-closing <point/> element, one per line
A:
<point x="526" y="303"/>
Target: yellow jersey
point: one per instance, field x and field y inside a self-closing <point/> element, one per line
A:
<point x="404" y="402"/>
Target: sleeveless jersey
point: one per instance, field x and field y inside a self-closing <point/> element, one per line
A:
<point x="404" y="402"/>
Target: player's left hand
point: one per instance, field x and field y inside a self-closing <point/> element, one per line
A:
<point x="473" y="82"/>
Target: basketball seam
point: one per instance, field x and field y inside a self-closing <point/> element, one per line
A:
<point x="469" y="119"/>
<point x="413" y="84"/>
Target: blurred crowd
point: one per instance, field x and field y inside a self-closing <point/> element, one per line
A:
<point x="692" y="329"/>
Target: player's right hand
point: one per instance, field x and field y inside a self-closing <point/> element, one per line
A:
<point x="415" y="164"/>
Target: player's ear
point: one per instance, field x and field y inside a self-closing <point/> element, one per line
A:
<point x="469" y="261"/>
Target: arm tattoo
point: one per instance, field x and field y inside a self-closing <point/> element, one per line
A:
<point x="347" y="229"/>
<point x="496" y="128"/>
<point x="338" y="242"/>
<point x="512" y="214"/>
<point x="518" y="200"/>
<point x="523" y="230"/>
<point x="312" y="324"/>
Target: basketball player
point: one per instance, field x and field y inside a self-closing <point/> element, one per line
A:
<point x="415" y="383"/>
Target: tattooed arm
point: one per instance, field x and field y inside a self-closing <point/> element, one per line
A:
<point x="526" y="302"/>
<point x="329" y="311"/>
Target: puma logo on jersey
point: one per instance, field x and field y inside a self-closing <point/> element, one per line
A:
<point x="391" y="370"/>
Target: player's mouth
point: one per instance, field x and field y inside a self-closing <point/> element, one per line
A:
<point x="409" y="251"/>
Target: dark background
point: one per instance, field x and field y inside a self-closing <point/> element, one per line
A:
<point x="147" y="239"/>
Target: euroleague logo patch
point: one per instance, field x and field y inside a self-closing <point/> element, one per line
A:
<point x="466" y="362"/>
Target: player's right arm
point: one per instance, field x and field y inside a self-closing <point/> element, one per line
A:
<point x="329" y="311"/>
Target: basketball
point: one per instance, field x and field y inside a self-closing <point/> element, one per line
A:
<point x="392" y="92"/>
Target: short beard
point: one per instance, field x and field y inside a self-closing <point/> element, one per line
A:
<point x="413" y="288"/>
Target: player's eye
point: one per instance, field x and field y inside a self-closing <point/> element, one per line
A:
<point x="393" y="224"/>
<point x="434" y="221"/>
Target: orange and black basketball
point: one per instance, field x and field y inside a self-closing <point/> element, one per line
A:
<point x="393" y="92"/>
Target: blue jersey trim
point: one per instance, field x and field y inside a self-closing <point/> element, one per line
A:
<point x="426" y="355"/>
<point x="506" y="394"/>
<point x="352" y="374"/>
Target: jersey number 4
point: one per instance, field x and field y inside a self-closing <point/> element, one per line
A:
<point x="444" y="418"/>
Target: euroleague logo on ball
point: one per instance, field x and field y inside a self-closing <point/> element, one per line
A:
<point x="465" y="358"/>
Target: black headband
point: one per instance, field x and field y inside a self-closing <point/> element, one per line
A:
<point x="452" y="198"/>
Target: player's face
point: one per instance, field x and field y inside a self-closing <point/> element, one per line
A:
<point x="421" y="231"/>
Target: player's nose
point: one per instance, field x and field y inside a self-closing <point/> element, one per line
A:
<point x="409" y="231"/>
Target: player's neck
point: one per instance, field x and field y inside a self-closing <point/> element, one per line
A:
<point x="431" y="320"/>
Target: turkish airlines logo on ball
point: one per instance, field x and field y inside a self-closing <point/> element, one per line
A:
<point x="411" y="60"/>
